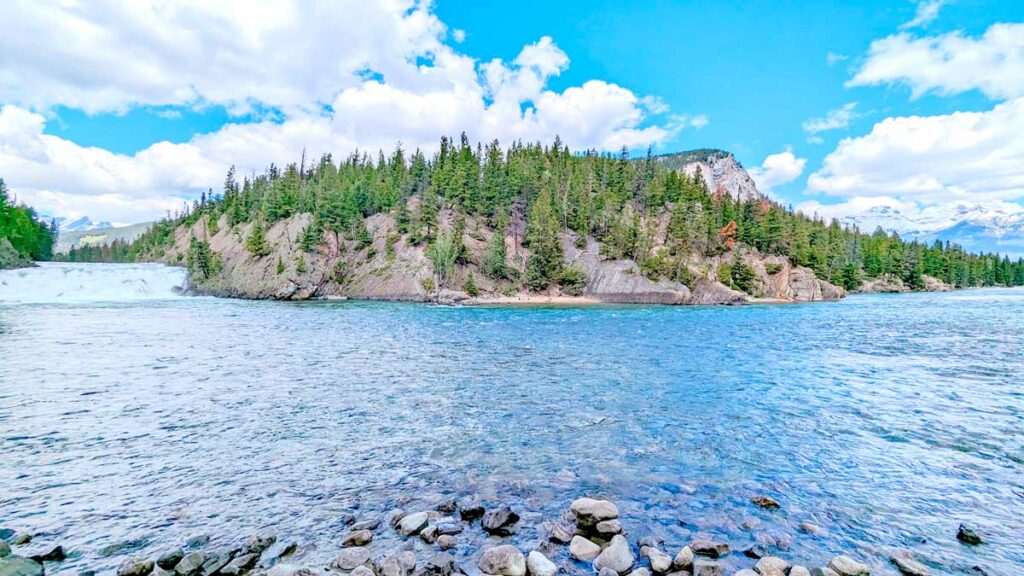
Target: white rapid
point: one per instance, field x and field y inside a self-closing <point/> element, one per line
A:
<point x="58" y="283"/>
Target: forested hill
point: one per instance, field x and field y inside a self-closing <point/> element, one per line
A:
<point x="524" y="218"/>
<point x="23" y="238"/>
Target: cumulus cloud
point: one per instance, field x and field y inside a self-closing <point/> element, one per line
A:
<point x="326" y="76"/>
<point x="835" y="119"/>
<point x="778" y="169"/>
<point x="958" y="156"/>
<point x="950" y="63"/>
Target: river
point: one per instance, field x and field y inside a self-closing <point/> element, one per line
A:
<point x="131" y="413"/>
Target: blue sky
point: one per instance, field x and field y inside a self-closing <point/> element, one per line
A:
<point x="128" y="124"/>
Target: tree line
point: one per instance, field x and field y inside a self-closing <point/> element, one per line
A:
<point x="538" y="193"/>
<point x="30" y="238"/>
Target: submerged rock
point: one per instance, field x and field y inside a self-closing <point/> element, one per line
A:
<point x="440" y="564"/>
<point x="766" y="502"/>
<point x="618" y="556"/>
<point x="590" y="511"/>
<point x="11" y="565"/>
<point x="709" y="548"/>
<point x="500" y="521"/>
<point x="5" y="548"/>
<point x="539" y="565"/>
<point x="846" y="566"/>
<point x="504" y="560"/>
<point x="582" y="549"/>
<point x="55" y="554"/>
<point x="371" y="525"/>
<point x="707" y="568"/>
<point x="361" y="571"/>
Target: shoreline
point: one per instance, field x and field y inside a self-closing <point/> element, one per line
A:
<point x="588" y="537"/>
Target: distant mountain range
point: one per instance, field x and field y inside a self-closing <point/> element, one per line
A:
<point x="80" y="225"/>
<point x="79" y="233"/>
<point x="975" y="227"/>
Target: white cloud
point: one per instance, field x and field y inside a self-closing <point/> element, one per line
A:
<point x="960" y="156"/>
<point x="835" y="119"/>
<point x="335" y="76"/>
<point x="927" y="11"/>
<point x="459" y="36"/>
<point x="777" y="169"/>
<point x="832" y="58"/>
<point x="950" y="63"/>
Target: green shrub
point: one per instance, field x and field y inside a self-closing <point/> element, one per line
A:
<point x="773" y="268"/>
<point x="573" y="280"/>
<point x="470" y="286"/>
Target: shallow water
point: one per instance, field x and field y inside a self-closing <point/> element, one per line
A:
<point x="150" y="417"/>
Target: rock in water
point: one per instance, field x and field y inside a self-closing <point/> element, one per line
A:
<point x="906" y="564"/>
<point x="582" y="549"/>
<point x="846" y="566"/>
<point x="397" y="564"/>
<point x="771" y="566"/>
<point x="290" y="570"/>
<point x="684" y="559"/>
<point x="746" y="572"/>
<point x="504" y="560"/>
<point x="412" y="523"/>
<point x="135" y="567"/>
<point x="967" y="536"/>
<point x="561" y="534"/>
<point x="190" y="564"/>
<point x="5" y="549"/>
<point x="660" y="562"/>
<point x="640" y="572"/>
<point x="618" y="556"/>
<point x="608" y="527"/>
<point x="766" y="502"/>
<point x="589" y="511"/>
<point x="361" y="571"/>
<point x="371" y="525"/>
<point x="356" y="538"/>
<point x="445" y="542"/>
<point x="216" y="561"/>
<point x="539" y="565"/>
<point x="709" y="548"/>
<point x="429" y="534"/>
<point x="500" y="522"/>
<point x="240" y="564"/>
<point x="707" y="568"/>
<point x="168" y="560"/>
<point x="349" y="558"/>
<point x="470" y="508"/>
<point x="440" y="564"/>
<point x="18" y="566"/>
<point x="448" y="527"/>
<point x="799" y="571"/>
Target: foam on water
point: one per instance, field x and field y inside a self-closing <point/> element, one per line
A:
<point x="63" y="283"/>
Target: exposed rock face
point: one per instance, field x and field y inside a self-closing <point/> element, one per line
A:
<point x="10" y="258"/>
<point x="392" y="269"/>
<point x="723" y="174"/>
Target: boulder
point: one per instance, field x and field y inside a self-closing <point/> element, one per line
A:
<point x="504" y="560"/>
<point x="356" y="538"/>
<point x="197" y="541"/>
<point x="190" y="564"/>
<point x="811" y="528"/>
<point x="349" y="558"/>
<point x="582" y="549"/>
<point x="756" y="551"/>
<point x="618" y="556"/>
<point x="135" y="567"/>
<point x="5" y="549"/>
<point x="539" y="565"/>
<point x="967" y="536"/>
<point x="640" y="572"/>
<point x="449" y="527"/>
<point x="445" y="542"/>
<point x="215" y="562"/>
<point x="470" y="508"/>
<point x="55" y="554"/>
<point x="394" y="517"/>
<point x="240" y="564"/>
<point x="440" y="564"/>
<point x="684" y="559"/>
<point x="709" y="548"/>
<point x="608" y="527"/>
<point x="290" y="570"/>
<point x="906" y="564"/>
<point x="590" y="511"/>
<point x="449" y="506"/>
<point x="11" y="565"/>
<point x="412" y="523"/>
<point x="397" y="564"/>
<point x="257" y="544"/>
<point x="607" y="572"/>
<point x="799" y="571"/>
<point x="168" y="560"/>
<point x="771" y="566"/>
<point x="707" y="568"/>
<point x="846" y="566"/>
<point x="429" y="534"/>
<point x="660" y="562"/>
<point x="361" y="571"/>
<point x="650" y="542"/>
<point x="22" y="539"/>
<point x="745" y="572"/>
<point x="500" y="521"/>
<point x="824" y="571"/>
<point x="561" y="534"/>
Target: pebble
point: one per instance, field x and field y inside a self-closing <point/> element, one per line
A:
<point x="22" y="539"/>
<point x="582" y="549"/>
<point x="440" y="564"/>
<point x="640" y="572"/>
<point x="361" y="571"/>
<point x="240" y="564"/>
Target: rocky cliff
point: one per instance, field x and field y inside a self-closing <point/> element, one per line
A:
<point x="390" y="268"/>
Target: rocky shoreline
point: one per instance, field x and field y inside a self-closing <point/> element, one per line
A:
<point x="588" y="538"/>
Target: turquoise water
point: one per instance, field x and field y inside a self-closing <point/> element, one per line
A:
<point x="885" y="420"/>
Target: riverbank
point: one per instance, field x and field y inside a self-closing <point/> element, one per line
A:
<point x="470" y="537"/>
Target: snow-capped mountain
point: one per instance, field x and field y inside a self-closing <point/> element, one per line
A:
<point x="81" y="224"/>
<point x="973" y="226"/>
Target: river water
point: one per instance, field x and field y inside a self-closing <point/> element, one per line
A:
<point x="129" y="413"/>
